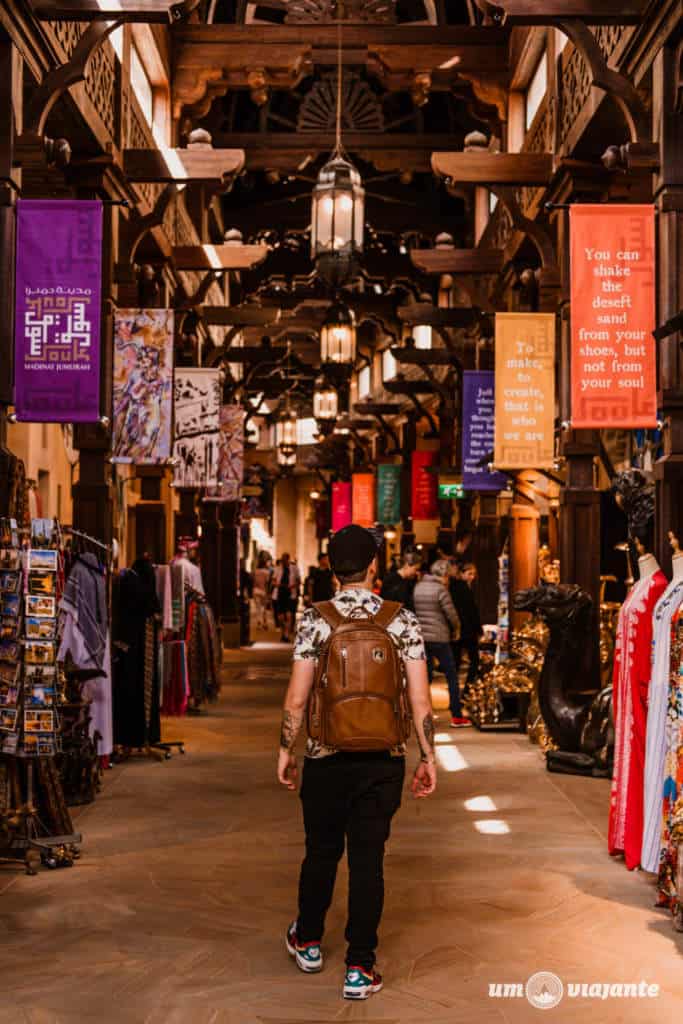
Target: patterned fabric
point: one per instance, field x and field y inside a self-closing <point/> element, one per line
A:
<point x="631" y="680"/>
<point x="313" y="632"/>
<point x="657" y="703"/>
<point x="667" y="893"/>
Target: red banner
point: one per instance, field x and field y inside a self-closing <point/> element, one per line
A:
<point x="613" y="316"/>
<point x="424" y="496"/>
<point x="341" y="505"/>
<point x="363" y="499"/>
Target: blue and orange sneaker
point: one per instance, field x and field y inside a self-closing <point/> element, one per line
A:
<point x="359" y="983"/>
<point x="306" y="954"/>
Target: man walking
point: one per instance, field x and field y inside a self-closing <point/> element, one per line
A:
<point x="399" y="584"/>
<point x="461" y="585"/>
<point x="440" y="625"/>
<point x="286" y="583"/>
<point x="320" y="582"/>
<point x="350" y="792"/>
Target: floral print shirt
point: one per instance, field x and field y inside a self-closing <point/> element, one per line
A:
<point x="313" y="632"/>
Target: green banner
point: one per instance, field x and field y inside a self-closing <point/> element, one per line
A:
<point x="388" y="494"/>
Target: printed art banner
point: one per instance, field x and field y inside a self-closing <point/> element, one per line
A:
<point x="143" y="386"/>
<point x="424" y="490"/>
<point x="388" y="494"/>
<point x="612" y="316"/>
<point x="525" y="390"/>
<point x="363" y="499"/>
<point x="230" y="455"/>
<point x="478" y="427"/>
<point x="341" y="506"/>
<point x="57" y="316"/>
<point x="197" y="402"/>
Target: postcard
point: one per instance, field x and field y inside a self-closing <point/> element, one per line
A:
<point x="9" y="582"/>
<point x="39" y="696"/>
<point x="8" y="719"/>
<point x="41" y="559"/>
<point x="9" y="695"/>
<point x="38" y="653"/>
<point x="9" y="604"/>
<point x="9" y="674"/>
<point x="40" y="629"/>
<point x="38" y="721"/>
<point x="9" y="651"/>
<point x="41" y="581"/>
<point x="39" y="675"/>
<point x="42" y="607"/>
<point x="9" y="628"/>
<point x="9" y="559"/>
<point x="30" y="744"/>
<point x="46" y="747"/>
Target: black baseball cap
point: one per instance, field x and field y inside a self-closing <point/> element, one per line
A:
<point x="351" y="550"/>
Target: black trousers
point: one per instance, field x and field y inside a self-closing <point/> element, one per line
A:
<point x="347" y="798"/>
<point x="471" y="645"/>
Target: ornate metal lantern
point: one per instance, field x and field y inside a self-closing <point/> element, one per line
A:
<point x="337" y="220"/>
<point x="286" y="434"/>
<point x="286" y="459"/>
<point x="325" y="401"/>
<point x="338" y="336"/>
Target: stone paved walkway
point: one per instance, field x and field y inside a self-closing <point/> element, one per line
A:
<point x="176" y="911"/>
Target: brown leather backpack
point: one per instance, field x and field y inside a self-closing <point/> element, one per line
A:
<point x="359" y="699"/>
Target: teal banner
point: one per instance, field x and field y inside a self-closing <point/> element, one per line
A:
<point x="388" y="494"/>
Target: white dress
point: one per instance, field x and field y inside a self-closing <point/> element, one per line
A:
<point x="655" y="743"/>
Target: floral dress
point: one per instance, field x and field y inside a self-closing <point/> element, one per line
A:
<point x="667" y="892"/>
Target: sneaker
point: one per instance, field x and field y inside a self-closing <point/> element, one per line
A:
<point x="359" y="983"/>
<point x="308" y="957"/>
<point x="460" y="723"/>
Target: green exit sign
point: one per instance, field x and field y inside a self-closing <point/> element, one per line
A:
<point x="447" y="491"/>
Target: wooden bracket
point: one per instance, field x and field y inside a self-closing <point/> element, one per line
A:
<point x="531" y="228"/>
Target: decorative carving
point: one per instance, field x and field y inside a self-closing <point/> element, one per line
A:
<point x="361" y="108"/>
<point x="325" y="12"/>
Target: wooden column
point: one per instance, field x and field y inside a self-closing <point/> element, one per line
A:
<point x="219" y="551"/>
<point x="486" y="547"/>
<point x="669" y="199"/>
<point x="524" y="544"/>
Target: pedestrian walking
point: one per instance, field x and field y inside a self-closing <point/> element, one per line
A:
<point x="461" y="588"/>
<point x="440" y="626"/>
<point x="320" y="581"/>
<point x="286" y="585"/>
<point x="399" y="584"/>
<point x="358" y="676"/>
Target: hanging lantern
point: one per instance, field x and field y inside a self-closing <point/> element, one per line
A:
<point x="337" y="220"/>
<point x="286" y="459"/>
<point x="286" y="433"/>
<point x="325" y="401"/>
<point x="422" y="333"/>
<point x="338" y="336"/>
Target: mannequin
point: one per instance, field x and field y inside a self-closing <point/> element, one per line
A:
<point x="632" y="671"/>
<point x="664" y="617"/>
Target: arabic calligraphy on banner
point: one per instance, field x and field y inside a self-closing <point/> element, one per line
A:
<point x="57" y="315"/>
<point x="424" y="490"/>
<point x="363" y="499"/>
<point x="612" y="316"/>
<point x="525" y="390"/>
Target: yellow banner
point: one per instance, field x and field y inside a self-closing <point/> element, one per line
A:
<point x="525" y="390"/>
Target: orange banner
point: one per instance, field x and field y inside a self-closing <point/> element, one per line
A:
<point x="525" y="390"/>
<point x="363" y="499"/>
<point x="614" y="379"/>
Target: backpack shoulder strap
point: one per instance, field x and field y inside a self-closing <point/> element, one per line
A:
<point x="387" y="613"/>
<point x="329" y="613"/>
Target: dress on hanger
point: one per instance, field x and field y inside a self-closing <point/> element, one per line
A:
<point x="672" y="789"/>
<point x="632" y="668"/>
<point x="665" y="615"/>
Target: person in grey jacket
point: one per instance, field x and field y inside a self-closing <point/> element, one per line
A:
<point x="440" y="625"/>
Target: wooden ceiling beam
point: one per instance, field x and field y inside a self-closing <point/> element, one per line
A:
<point x="182" y="166"/>
<point x="218" y="257"/>
<point x="457" y="261"/>
<point x="485" y="168"/>
<point x="435" y="316"/>
<point x="206" y="38"/>
<point x="146" y="11"/>
<point x="544" y="12"/>
<point x="240" y="316"/>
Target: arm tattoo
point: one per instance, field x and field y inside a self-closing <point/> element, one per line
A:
<point x="428" y="730"/>
<point x="291" y="724"/>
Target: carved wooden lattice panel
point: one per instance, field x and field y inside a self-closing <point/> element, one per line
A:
<point x="361" y="108"/>
<point x="576" y="81"/>
<point x="100" y="83"/>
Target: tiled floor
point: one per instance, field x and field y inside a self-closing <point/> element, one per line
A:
<point x="176" y="911"/>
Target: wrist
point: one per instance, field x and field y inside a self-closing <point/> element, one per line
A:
<point x="428" y="759"/>
<point x="286" y="750"/>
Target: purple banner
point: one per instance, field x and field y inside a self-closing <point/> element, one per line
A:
<point x="58" y="299"/>
<point x="478" y="418"/>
